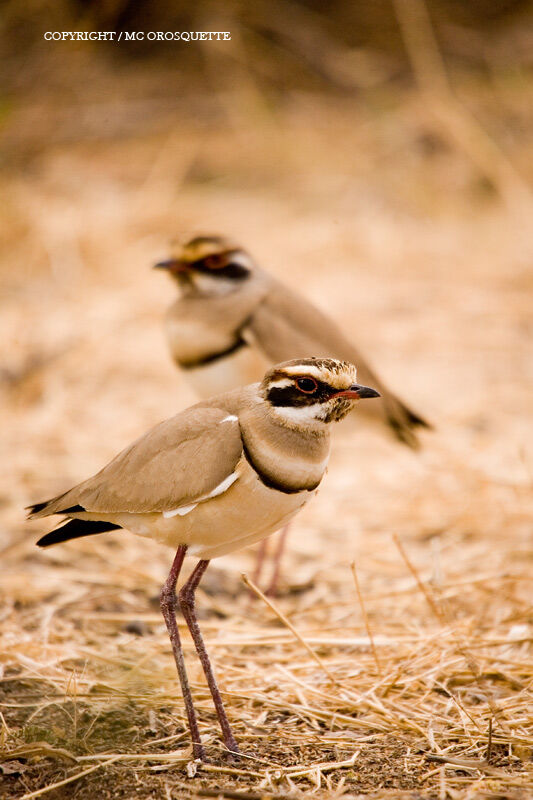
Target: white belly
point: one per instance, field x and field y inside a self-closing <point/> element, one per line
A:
<point x="247" y="512"/>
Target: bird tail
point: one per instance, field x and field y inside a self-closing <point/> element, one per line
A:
<point x="61" y="504"/>
<point x="47" y="508"/>
<point x="403" y="421"/>
<point x="74" y="529"/>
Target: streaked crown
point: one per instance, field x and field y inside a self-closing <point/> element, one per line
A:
<point x="202" y="247"/>
<point x="205" y="261"/>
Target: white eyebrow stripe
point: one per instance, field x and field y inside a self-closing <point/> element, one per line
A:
<point x="229" y="418"/>
<point x="220" y="489"/>
<point x="305" y="369"/>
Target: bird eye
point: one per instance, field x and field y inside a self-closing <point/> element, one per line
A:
<point x="221" y="265"/>
<point x="213" y="262"/>
<point x="307" y="385"/>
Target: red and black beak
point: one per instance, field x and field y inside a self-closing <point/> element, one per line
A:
<point x="173" y="265"/>
<point x="357" y="392"/>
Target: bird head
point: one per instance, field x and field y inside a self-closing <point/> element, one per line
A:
<point x="308" y="393"/>
<point x="209" y="265"/>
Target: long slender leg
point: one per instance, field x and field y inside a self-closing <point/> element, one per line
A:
<point x="187" y="603"/>
<point x="273" y="585"/>
<point x="168" y="603"/>
<point x="260" y="560"/>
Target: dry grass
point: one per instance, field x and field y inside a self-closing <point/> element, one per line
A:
<point x="374" y="213"/>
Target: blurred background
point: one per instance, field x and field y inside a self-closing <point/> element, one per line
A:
<point x="378" y="156"/>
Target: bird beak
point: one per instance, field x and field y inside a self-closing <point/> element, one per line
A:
<point x="173" y="265"/>
<point x="357" y="392"/>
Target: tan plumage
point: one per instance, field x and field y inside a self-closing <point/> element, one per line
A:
<point x="154" y="473"/>
<point x="193" y="479"/>
<point x="219" y="476"/>
<point x="225" y="330"/>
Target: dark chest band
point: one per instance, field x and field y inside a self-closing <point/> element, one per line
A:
<point x="210" y="359"/>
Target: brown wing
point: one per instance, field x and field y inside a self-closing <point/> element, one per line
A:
<point x="286" y="326"/>
<point x="177" y="462"/>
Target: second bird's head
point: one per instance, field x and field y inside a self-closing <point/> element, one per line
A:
<point x="307" y="393"/>
<point x="209" y="265"/>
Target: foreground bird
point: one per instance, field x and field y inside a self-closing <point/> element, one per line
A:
<point x="219" y="476"/>
<point x="232" y="320"/>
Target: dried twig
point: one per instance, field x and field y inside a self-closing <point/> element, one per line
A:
<point x="289" y="625"/>
<point x="51" y="786"/>
<point x="365" y="618"/>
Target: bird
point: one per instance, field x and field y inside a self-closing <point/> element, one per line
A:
<point x="232" y="320"/>
<point x="218" y="476"/>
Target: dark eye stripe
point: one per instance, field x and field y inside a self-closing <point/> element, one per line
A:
<point x="234" y="270"/>
<point x="294" y="396"/>
<point x="221" y="264"/>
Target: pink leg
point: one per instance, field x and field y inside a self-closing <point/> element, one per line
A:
<point x="168" y="603"/>
<point x="186" y="598"/>
<point x="260" y="560"/>
<point x="273" y="585"/>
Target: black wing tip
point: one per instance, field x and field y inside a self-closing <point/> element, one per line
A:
<point x="406" y="431"/>
<point x="417" y="421"/>
<point x="74" y="529"/>
<point x="35" y="508"/>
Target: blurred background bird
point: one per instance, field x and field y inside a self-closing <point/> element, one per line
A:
<point x="232" y="319"/>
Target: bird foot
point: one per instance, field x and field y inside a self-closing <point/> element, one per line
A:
<point x="232" y="756"/>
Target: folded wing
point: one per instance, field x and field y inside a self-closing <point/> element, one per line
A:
<point x="286" y="326"/>
<point x="179" y="461"/>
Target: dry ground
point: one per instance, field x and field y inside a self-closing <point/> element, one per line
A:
<point x="381" y="217"/>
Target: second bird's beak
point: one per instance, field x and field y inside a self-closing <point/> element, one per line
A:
<point x="173" y="265"/>
<point x="357" y="392"/>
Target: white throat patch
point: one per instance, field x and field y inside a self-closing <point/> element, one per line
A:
<point x="213" y="286"/>
<point x="301" y="416"/>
